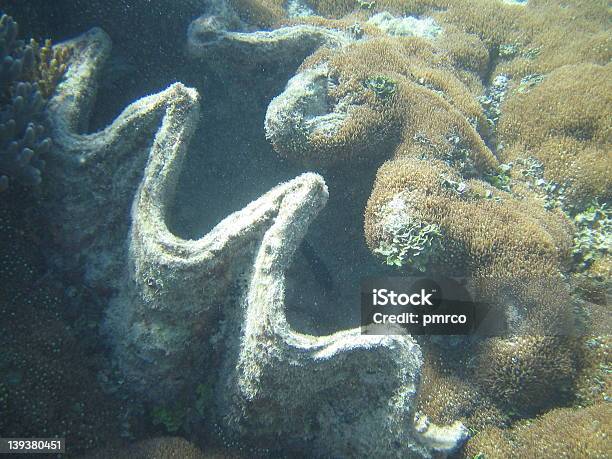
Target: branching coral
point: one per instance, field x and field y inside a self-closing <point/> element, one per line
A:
<point x="28" y="75"/>
<point x="52" y="64"/>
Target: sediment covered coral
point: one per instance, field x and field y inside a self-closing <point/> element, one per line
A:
<point x="165" y="317"/>
<point x="222" y="38"/>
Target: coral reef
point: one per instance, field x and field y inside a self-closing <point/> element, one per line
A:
<point x="501" y="242"/>
<point x="362" y="100"/>
<point x="21" y="130"/>
<point x="444" y="99"/>
<point x="165" y="316"/>
<point x="28" y="76"/>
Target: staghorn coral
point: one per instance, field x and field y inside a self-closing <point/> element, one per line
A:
<point x="160" y="324"/>
<point x="563" y="432"/>
<point x="51" y="66"/>
<point x="28" y="76"/>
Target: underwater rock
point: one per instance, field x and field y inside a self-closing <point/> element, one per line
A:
<point x="274" y="386"/>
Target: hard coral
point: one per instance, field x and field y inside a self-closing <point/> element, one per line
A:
<point x="545" y="34"/>
<point x="449" y="389"/>
<point x="479" y="234"/>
